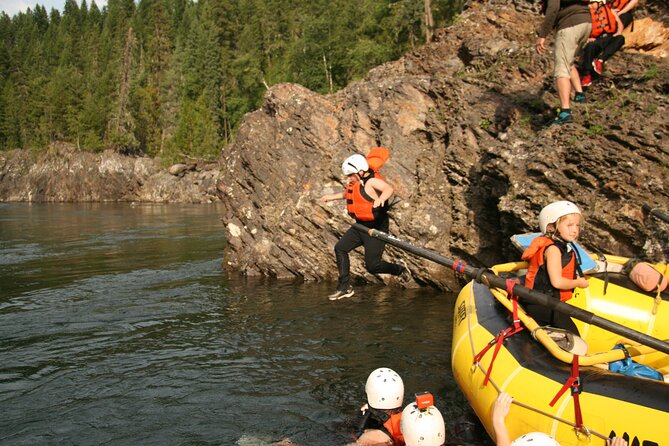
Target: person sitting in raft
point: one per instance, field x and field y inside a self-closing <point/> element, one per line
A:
<point x="553" y="262"/>
<point x="379" y="419"/>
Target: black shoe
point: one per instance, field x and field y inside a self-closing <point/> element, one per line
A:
<point x="562" y="117"/>
<point x="341" y="294"/>
<point x="579" y="97"/>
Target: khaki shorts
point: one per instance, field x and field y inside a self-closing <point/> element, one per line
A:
<point x="569" y="43"/>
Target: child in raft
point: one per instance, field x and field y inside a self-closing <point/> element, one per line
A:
<point x="553" y="262"/>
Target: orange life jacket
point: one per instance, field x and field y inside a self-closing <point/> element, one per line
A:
<point x="619" y="5"/>
<point x="377" y="157"/>
<point x="603" y="20"/>
<point x="537" y="275"/>
<point x="359" y="205"/>
<point x="392" y="428"/>
<point x="387" y="423"/>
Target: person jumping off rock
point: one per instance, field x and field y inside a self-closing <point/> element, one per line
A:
<point x="367" y="195"/>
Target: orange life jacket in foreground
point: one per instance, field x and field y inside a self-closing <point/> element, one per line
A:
<point x="359" y="205"/>
<point x="537" y="275"/>
<point x="603" y="20"/>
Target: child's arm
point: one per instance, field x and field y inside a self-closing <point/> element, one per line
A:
<point x="330" y="197"/>
<point x="619" y="27"/>
<point x="382" y="190"/>
<point x="554" y="268"/>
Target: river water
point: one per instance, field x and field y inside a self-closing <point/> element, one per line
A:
<point x="119" y="326"/>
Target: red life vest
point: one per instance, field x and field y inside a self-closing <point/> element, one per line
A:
<point x="537" y="275"/>
<point x="603" y="20"/>
<point x="359" y="205"/>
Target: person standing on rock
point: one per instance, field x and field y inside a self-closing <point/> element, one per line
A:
<point x="573" y="25"/>
<point x="367" y="195"/>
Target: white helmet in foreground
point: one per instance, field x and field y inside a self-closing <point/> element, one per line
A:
<point x="422" y="427"/>
<point x="354" y="164"/>
<point x="535" y="439"/>
<point x="385" y="389"/>
<point x="552" y="213"/>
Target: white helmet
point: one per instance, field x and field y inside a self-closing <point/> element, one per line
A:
<point x="385" y="389"/>
<point x="354" y="164"/>
<point x="552" y="213"/>
<point x="535" y="439"/>
<point x="422" y="427"/>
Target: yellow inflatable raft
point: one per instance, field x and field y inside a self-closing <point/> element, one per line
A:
<point x="589" y="403"/>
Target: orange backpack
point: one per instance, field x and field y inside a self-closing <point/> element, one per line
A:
<point x="603" y="20"/>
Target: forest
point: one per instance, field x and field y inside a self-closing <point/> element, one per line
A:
<point x="173" y="78"/>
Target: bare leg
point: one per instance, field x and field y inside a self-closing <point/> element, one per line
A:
<point x="576" y="80"/>
<point x="563" y="85"/>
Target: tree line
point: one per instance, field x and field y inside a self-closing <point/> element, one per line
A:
<point x="173" y="78"/>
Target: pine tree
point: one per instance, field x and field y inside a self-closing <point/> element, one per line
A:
<point x="175" y="77"/>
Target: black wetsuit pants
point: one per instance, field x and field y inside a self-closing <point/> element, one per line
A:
<point x="603" y="47"/>
<point x="545" y="316"/>
<point x="373" y="251"/>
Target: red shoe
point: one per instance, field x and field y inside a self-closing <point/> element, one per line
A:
<point x="598" y="65"/>
<point x="586" y="80"/>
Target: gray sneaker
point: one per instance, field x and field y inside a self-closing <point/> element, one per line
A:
<point x="341" y="294"/>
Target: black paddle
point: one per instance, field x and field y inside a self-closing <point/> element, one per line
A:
<point x="656" y="212"/>
<point x="490" y="279"/>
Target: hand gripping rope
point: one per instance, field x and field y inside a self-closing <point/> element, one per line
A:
<point x="498" y="340"/>
<point x="574" y="383"/>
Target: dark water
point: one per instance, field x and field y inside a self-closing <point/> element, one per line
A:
<point x="118" y="326"/>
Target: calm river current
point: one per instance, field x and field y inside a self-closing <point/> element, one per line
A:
<point x="119" y="326"/>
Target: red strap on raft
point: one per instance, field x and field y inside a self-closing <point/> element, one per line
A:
<point x="574" y="382"/>
<point x="502" y="335"/>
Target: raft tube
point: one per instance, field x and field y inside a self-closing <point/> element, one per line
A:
<point x="534" y="371"/>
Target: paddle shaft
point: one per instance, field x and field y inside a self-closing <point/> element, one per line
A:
<point x="489" y="278"/>
<point x="659" y="214"/>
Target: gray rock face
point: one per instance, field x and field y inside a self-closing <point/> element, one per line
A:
<point x="470" y="159"/>
<point x="65" y="174"/>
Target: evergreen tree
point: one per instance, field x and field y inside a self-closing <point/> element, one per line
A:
<point x="153" y="26"/>
<point x="175" y="77"/>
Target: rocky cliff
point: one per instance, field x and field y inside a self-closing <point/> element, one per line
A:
<point x="65" y="174"/>
<point x="471" y="160"/>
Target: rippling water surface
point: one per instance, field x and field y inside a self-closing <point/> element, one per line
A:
<point x="119" y="326"/>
